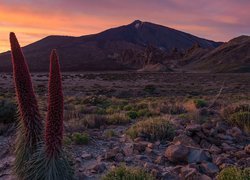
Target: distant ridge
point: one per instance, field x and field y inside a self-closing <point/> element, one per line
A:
<point x="104" y="50"/>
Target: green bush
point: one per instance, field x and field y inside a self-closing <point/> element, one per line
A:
<point x="127" y="173"/>
<point x="132" y="114"/>
<point x="7" y="111"/>
<point x="241" y="119"/>
<point x="234" y="173"/>
<point x="238" y="115"/>
<point x="80" y="139"/>
<point x="153" y="128"/>
<point x="200" y="103"/>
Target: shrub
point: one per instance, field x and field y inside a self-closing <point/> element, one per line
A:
<point x="241" y="119"/>
<point x="172" y="108"/>
<point x="117" y="118"/>
<point x="127" y="173"/>
<point x="7" y="111"/>
<point x="132" y="114"/>
<point x="200" y="103"/>
<point x="110" y="133"/>
<point x="94" y="121"/>
<point x="80" y="139"/>
<point x="152" y="128"/>
<point x="234" y="173"/>
<point x="238" y="114"/>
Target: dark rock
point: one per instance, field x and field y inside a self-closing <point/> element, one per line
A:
<point x="128" y="149"/>
<point x="214" y="149"/>
<point x="177" y="153"/>
<point x="247" y="149"/>
<point x="193" y="128"/>
<point x="209" y="168"/>
<point x="197" y="156"/>
<point x="204" y="144"/>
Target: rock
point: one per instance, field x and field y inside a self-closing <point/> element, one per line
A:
<point x="160" y="160"/>
<point x="86" y="156"/>
<point x="241" y="154"/>
<point x="128" y="149"/>
<point x="148" y="150"/>
<point x="247" y="149"/>
<point x="227" y="148"/>
<point x="204" y="144"/>
<point x="150" y="145"/>
<point x="224" y="137"/>
<point x="189" y="173"/>
<point x="221" y="160"/>
<point x="177" y="153"/>
<point x="185" y="140"/>
<point x="98" y="168"/>
<point x="244" y="162"/>
<point x="197" y="156"/>
<point x="209" y="168"/>
<point x="221" y="127"/>
<point x="140" y="146"/>
<point x="111" y="153"/>
<point x="214" y="149"/>
<point x="119" y="157"/>
<point x="204" y="177"/>
<point x="193" y="128"/>
<point x="235" y="132"/>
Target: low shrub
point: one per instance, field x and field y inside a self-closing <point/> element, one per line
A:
<point x="234" y="173"/>
<point x="132" y="114"/>
<point x="94" y="121"/>
<point x="127" y="173"/>
<point x="200" y="103"/>
<point x="80" y="138"/>
<point x="109" y="133"/>
<point x="153" y="128"/>
<point x="117" y="118"/>
<point x="238" y="114"/>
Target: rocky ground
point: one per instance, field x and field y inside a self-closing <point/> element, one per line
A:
<point x="199" y="149"/>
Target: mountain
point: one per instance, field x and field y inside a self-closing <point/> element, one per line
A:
<point x="114" y="49"/>
<point x="233" y="56"/>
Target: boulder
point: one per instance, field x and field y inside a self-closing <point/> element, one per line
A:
<point x="209" y="168"/>
<point x="177" y="153"/>
<point x="197" y="156"/>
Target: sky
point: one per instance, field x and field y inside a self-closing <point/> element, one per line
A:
<point x="32" y="20"/>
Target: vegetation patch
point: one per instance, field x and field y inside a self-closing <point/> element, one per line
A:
<point x="238" y="115"/>
<point x="200" y="103"/>
<point x="153" y="128"/>
<point x="80" y="138"/>
<point x="127" y="173"/>
<point x="233" y="173"/>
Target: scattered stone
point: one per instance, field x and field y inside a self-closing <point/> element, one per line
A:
<point x="197" y="156"/>
<point x="87" y="156"/>
<point x="204" y="144"/>
<point x="128" y="149"/>
<point x="193" y="128"/>
<point x="185" y="140"/>
<point x="209" y="168"/>
<point x="215" y="149"/>
<point x="235" y="132"/>
<point x="247" y="149"/>
<point x="119" y="157"/>
<point x="98" y="168"/>
<point x="177" y="153"/>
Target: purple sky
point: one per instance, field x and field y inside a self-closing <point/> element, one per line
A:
<point x="219" y="20"/>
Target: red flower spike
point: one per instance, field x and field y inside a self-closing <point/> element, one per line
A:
<point x="27" y="103"/>
<point x="54" y="121"/>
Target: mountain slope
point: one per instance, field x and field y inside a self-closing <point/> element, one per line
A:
<point x="103" y="51"/>
<point x="233" y="56"/>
